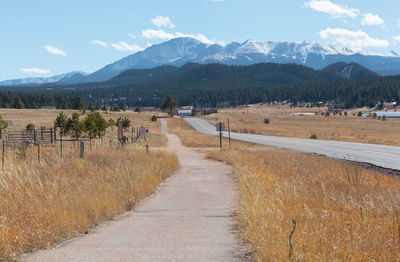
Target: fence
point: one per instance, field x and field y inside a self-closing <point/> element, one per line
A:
<point x="36" y="136"/>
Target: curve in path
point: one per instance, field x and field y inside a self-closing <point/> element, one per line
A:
<point x="189" y="218"/>
<point x="378" y="155"/>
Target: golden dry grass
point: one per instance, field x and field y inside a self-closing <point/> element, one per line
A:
<point x="42" y="204"/>
<point x="19" y="118"/>
<point x="192" y="138"/>
<point x="341" y="128"/>
<point x="343" y="212"/>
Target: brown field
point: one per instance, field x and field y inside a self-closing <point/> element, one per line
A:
<point x="43" y="204"/>
<point x="19" y="118"/>
<point x="56" y="199"/>
<point x="343" y="212"/>
<point x="192" y="138"/>
<point x="342" y="128"/>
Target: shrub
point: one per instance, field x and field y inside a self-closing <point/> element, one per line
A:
<point x="30" y="127"/>
<point x="313" y="136"/>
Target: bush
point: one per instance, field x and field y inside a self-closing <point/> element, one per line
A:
<point x="384" y="118"/>
<point x="313" y="136"/>
<point x="154" y="118"/>
<point x="359" y="113"/>
<point x="30" y="127"/>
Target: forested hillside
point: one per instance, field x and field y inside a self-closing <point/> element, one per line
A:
<point x="346" y="85"/>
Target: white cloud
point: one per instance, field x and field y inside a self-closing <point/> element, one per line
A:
<point x="123" y="46"/>
<point x="160" y="34"/>
<point x="34" y="70"/>
<point x="100" y="43"/>
<point x="156" y="34"/>
<point x="120" y="46"/>
<point x="54" y="50"/>
<point x="336" y="11"/>
<point x="398" y="22"/>
<point x="357" y="39"/>
<point x="160" y="21"/>
<point x="132" y="36"/>
<point x="371" y="19"/>
<point x="396" y="40"/>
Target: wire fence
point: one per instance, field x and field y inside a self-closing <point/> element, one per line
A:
<point x="46" y="140"/>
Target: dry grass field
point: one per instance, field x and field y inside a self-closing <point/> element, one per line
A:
<point x="343" y="212"/>
<point x="56" y="199"/>
<point x="342" y="128"/>
<point x="19" y="118"/>
<point x="47" y="202"/>
<point x="192" y="138"/>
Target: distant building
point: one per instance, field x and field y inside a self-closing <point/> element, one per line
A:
<point x="182" y="112"/>
<point x="48" y="107"/>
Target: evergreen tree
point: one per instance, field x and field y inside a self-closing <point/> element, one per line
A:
<point x="78" y="104"/>
<point x="18" y="104"/>
<point x="169" y="104"/>
<point x="61" y="122"/>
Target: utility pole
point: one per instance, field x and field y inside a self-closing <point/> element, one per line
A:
<point x="220" y="135"/>
<point x="229" y="132"/>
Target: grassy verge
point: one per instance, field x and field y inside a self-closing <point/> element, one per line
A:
<point x="342" y="212"/>
<point x="42" y="204"/>
<point x="192" y="138"/>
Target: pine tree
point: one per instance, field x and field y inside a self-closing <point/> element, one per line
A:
<point x="18" y="104"/>
<point x="169" y="104"/>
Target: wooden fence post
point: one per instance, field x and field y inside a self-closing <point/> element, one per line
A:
<point x="38" y="152"/>
<point x="147" y="149"/>
<point x="2" y="156"/>
<point x="41" y="133"/>
<point x="51" y="135"/>
<point x="61" y="148"/>
<point x="220" y="135"/>
<point x="82" y="149"/>
<point x="229" y="132"/>
<point x="34" y="135"/>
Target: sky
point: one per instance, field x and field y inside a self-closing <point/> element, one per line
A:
<point x="41" y="38"/>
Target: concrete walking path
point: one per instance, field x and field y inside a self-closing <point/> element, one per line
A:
<point x="189" y="218"/>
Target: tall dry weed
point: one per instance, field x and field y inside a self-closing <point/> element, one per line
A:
<point x="42" y="204"/>
<point x="343" y="212"/>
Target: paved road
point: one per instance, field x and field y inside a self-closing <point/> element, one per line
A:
<point x="188" y="219"/>
<point x="378" y="155"/>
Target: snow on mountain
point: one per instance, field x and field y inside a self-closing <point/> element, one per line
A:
<point x="180" y="51"/>
<point x="67" y="78"/>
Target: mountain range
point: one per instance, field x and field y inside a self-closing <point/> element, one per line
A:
<point x="67" y="78"/>
<point x="180" y="51"/>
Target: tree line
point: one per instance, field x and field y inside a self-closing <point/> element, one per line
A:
<point x="218" y="85"/>
<point x="20" y="100"/>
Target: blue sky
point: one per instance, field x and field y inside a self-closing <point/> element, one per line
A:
<point x="48" y="37"/>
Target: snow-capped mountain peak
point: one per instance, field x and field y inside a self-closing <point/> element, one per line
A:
<point x="184" y="50"/>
